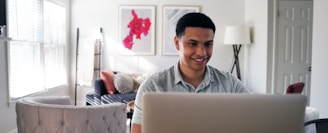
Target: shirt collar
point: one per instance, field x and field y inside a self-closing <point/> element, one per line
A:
<point x="178" y="78"/>
<point x="177" y="74"/>
<point x="208" y="76"/>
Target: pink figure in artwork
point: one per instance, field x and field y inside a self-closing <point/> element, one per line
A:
<point x="137" y="27"/>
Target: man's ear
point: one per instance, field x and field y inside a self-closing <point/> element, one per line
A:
<point x="176" y="43"/>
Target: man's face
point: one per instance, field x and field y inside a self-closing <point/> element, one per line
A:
<point x="195" y="48"/>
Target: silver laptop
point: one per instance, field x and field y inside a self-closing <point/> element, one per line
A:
<point x="222" y="113"/>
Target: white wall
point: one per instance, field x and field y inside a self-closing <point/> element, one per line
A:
<point x="319" y="88"/>
<point x="256" y="17"/>
<point x="89" y="16"/>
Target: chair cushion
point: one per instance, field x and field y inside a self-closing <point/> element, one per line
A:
<point x="123" y="83"/>
<point x="295" y="88"/>
<point x="122" y="98"/>
<point x="91" y="100"/>
<point x="107" y="77"/>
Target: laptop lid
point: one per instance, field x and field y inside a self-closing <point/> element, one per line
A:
<point x="222" y="113"/>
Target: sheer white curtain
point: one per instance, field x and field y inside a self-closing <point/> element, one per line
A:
<point x="37" y="50"/>
<point x="54" y="47"/>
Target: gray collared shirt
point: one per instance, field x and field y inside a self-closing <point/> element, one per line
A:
<point x="170" y="80"/>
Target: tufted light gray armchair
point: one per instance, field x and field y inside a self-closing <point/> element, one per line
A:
<point x="55" y="114"/>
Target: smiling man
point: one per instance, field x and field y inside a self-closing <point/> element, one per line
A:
<point x="194" y="40"/>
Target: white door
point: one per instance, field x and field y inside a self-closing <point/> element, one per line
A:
<point x="294" y="45"/>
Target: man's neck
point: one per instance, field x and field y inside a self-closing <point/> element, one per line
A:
<point x="191" y="76"/>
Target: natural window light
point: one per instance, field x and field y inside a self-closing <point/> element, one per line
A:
<point x="37" y="50"/>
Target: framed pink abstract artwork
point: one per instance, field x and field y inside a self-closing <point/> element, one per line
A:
<point x="137" y="30"/>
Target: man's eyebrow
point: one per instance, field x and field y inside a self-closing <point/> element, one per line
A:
<point x="209" y="41"/>
<point x="193" y="40"/>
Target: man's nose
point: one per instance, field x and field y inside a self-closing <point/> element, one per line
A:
<point x="201" y="51"/>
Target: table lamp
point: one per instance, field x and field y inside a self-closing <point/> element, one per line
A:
<point x="236" y="36"/>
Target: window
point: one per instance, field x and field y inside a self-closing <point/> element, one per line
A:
<point x="37" y="50"/>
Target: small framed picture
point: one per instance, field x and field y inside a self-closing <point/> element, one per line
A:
<point x="136" y="30"/>
<point x="171" y="14"/>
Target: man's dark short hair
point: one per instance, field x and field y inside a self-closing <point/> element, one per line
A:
<point x="193" y="20"/>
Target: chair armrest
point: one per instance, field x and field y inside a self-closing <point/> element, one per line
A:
<point x="49" y="100"/>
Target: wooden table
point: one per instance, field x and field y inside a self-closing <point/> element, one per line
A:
<point x="130" y="108"/>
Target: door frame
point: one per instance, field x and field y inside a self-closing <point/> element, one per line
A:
<point x="272" y="44"/>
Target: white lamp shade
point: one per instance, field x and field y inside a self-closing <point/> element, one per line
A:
<point x="236" y="35"/>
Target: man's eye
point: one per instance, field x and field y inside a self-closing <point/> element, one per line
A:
<point x="208" y="44"/>
<point x="192" y="43"/>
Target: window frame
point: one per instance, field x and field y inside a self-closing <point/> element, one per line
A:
<point x="65" y="54"/>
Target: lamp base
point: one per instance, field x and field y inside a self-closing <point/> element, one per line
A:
<point x="236" y="49"/>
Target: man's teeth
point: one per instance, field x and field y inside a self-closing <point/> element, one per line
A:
<point x="199" y="59"/>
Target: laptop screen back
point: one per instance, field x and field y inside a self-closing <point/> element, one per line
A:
<point x="222" y="113"/>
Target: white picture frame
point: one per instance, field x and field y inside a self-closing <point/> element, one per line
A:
<point x="141" y="40"/>
<point x="171" y="14"/>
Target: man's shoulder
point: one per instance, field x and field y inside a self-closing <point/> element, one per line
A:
<point x="216" y="72"/>
<point x="159" y="81"/>
<point x="164" y="74"/>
